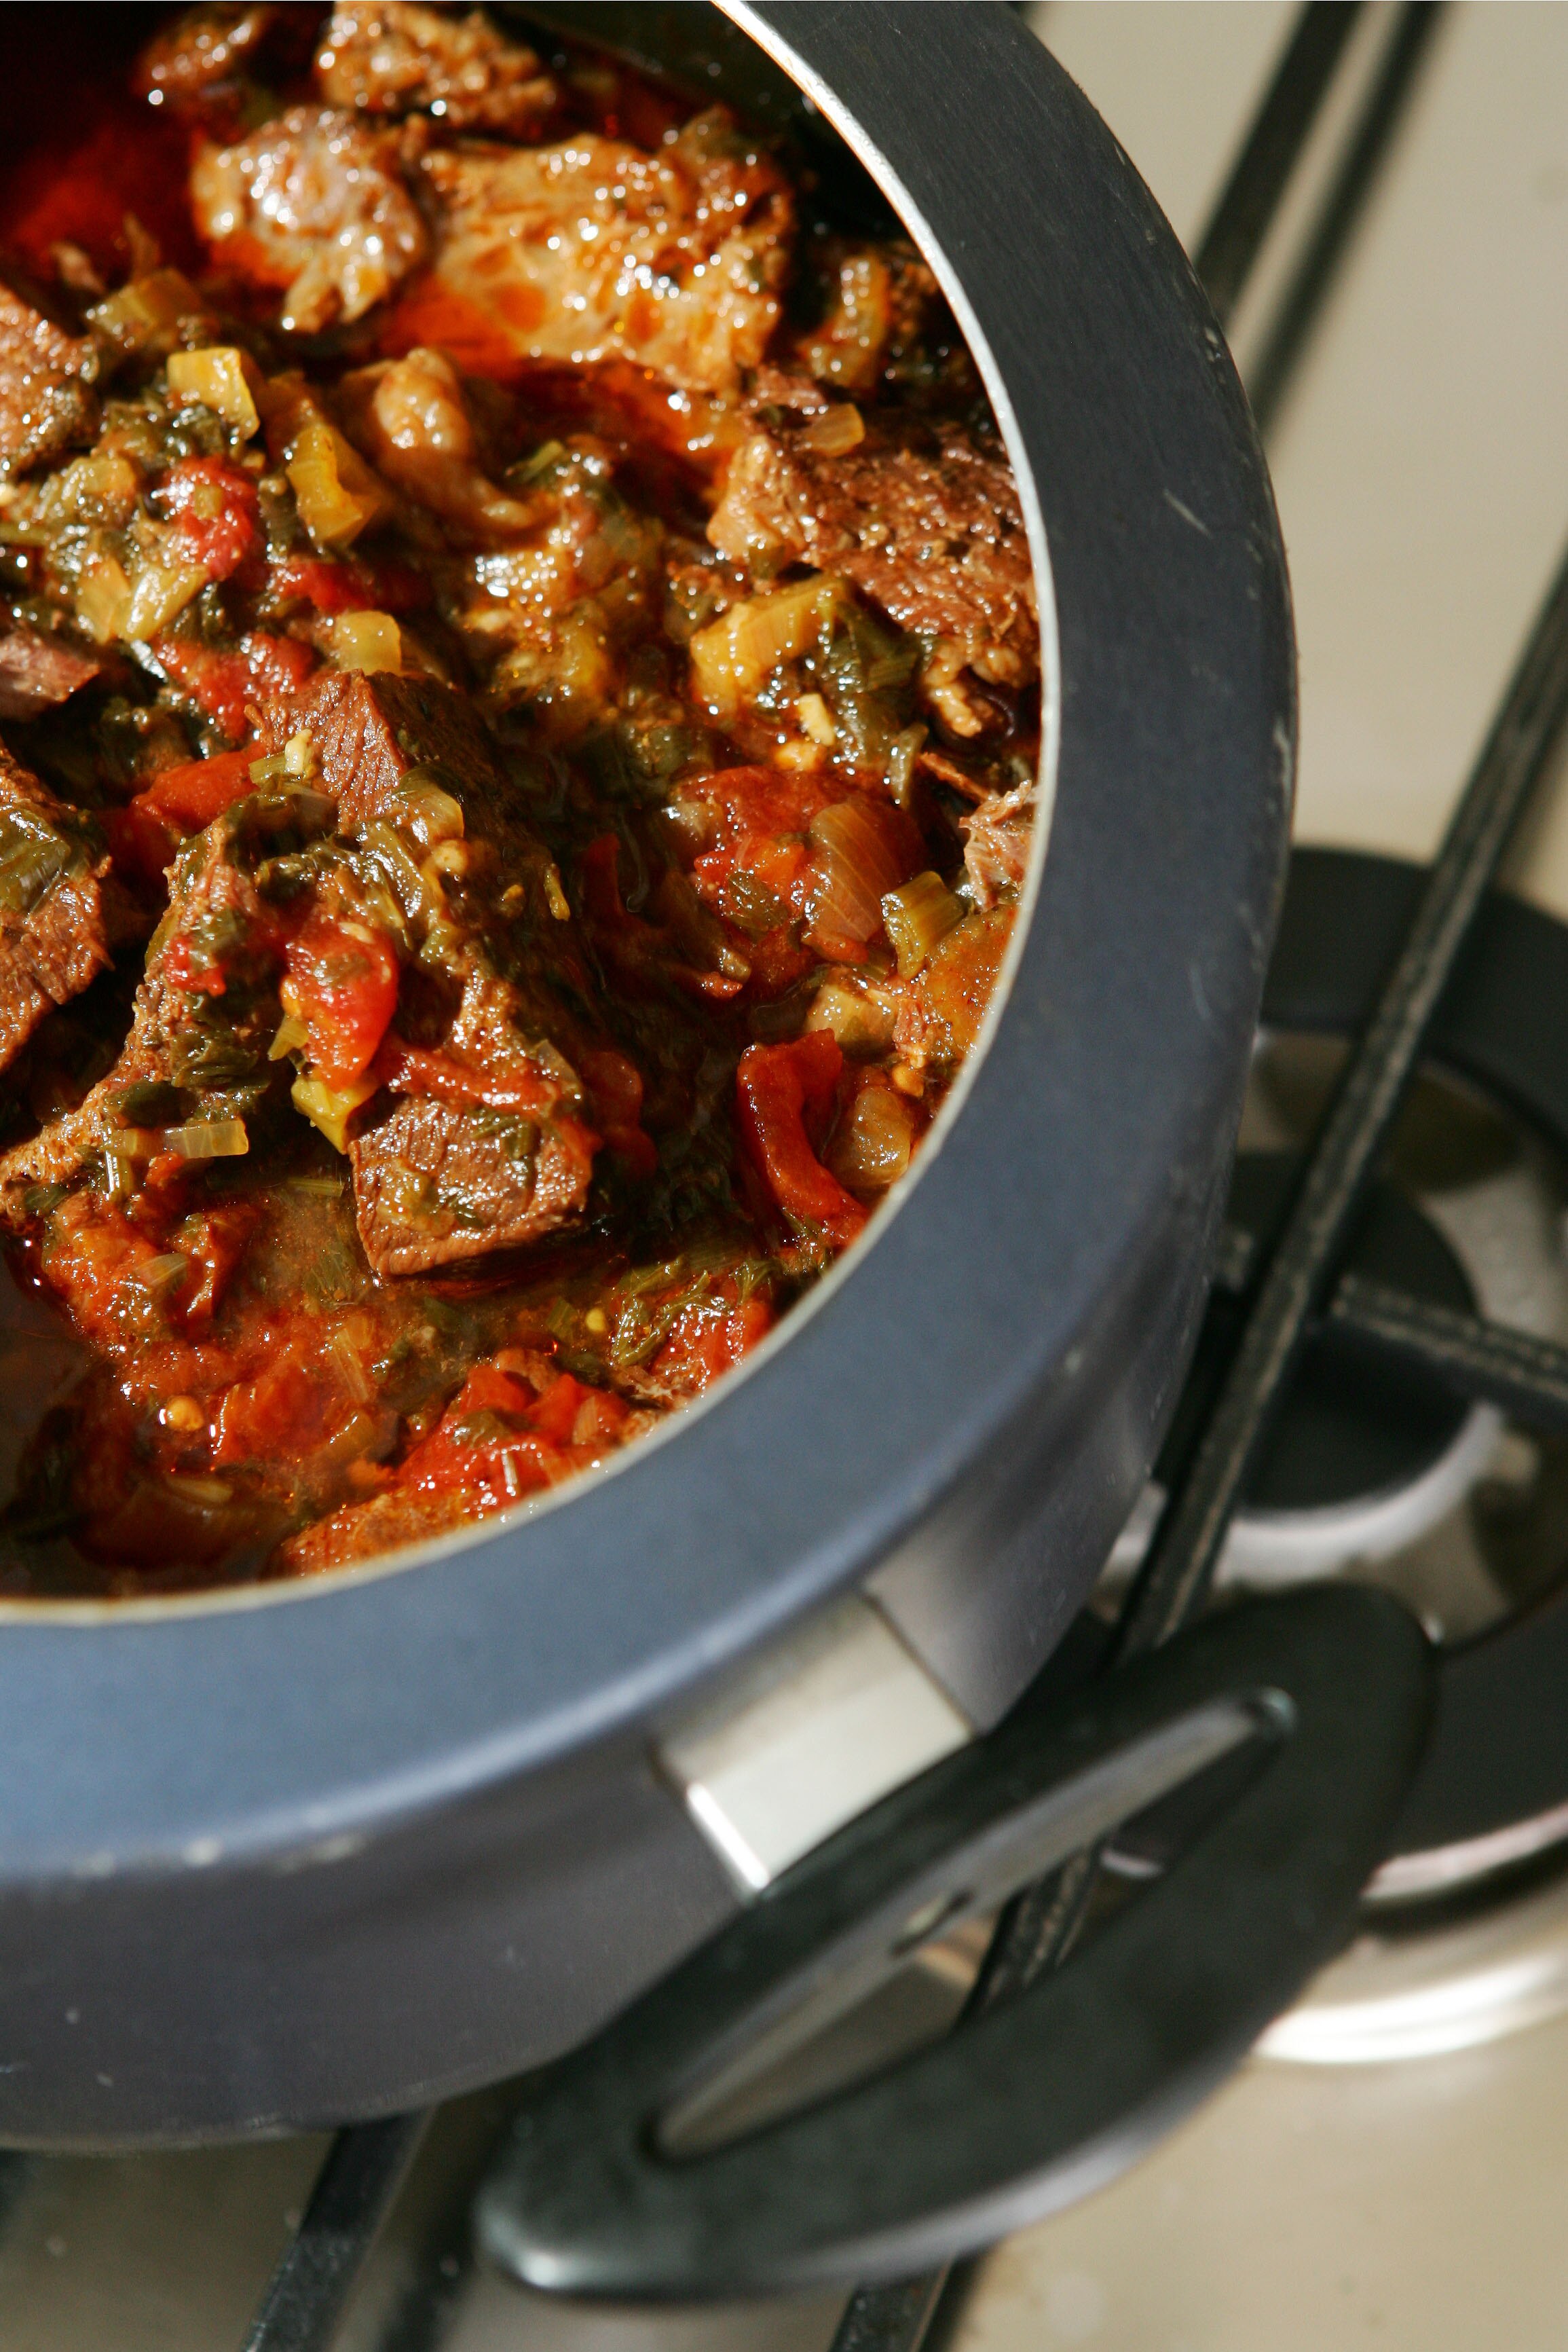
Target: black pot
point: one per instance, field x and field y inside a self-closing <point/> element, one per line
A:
<point x="325" y="1851"/>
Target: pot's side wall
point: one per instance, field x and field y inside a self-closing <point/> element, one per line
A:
<point x="362" y="1979"/>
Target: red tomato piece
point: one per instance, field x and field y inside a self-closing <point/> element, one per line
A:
<point x="775" y="1088"/>
<point x="218" y="518"/>
<point x="702" y="1346"/>
<point x="188" y="797"/>
<point x="225" y="684"/>
<point x="342" y="984"/>
<point x="199" y="976"/>
<point x="344" y="587"/>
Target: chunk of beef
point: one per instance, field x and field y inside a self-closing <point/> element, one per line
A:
<point x="435" y="1183"/>
<point x="193" y="1050"/>
<point x="487" y="1146"/>
<point x="591" y="249"/>
<point x="313" y="203"/>
<point x="54" y="931"/>
<point x="367" y="732"/>
<point x="390" y="57"/>
<point x="46" y="377"/>
<point x="37" y="672"/>
<point x="203" y="48"/>
<point x="921" y="518"/>
<point x="384" y="1523"/>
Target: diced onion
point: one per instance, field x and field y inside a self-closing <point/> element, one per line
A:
<point x="337" y="495"/>
<point x="218" y="379"/>
<point x="859" y="1024"/>
<point x="329" y="1109"/>
<point x="203" y="1494"/>
<point x="364" y="641"/>
<point x="349" y="1369"/>
<point x="816" y="720"/>
<point x="841" y="429"/>
<point x="102" y="599"/>
<point x="210" y="1138"/>
<point x="734" y="654"/>
<point x="146" y="311"/>
<point x="918" y="915"/>
<point x="872" y="1148"/>
<point x="857" y="867"/>
<point x="423" y="809"/>
<point x="291" y="1037"/>
<point x="161" y="592"/>
<point x="159" y="1273"/>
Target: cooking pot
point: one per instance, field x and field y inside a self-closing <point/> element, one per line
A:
<point x="324" y="1850"/>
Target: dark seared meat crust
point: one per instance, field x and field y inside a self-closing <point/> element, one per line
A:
<point x="54" y="939"/>
<point x="46" y="403"/>
<point x="367" y="732"/>
<point x="388" y="58"/>
<point x="922" y="517"/>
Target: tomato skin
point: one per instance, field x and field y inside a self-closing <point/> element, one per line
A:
<point x="228" y="544"/>
<point x="342" y="984"/>
<point x="188" y="797"/>
<point x="775" y="1088"/>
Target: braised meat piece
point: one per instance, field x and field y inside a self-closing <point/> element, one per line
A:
<point x="435" y="1181"/>
<point x="202" y="49"/>
<point x="45" y="375"/>
<point x="488" y="1145"/>
<point x="313" y="203"/>
<point x="593" y="249"/>
<point x="390" y="57"/>
<point x="54" y="931"/>
<point x="921" y="518"/>
<point x="205" y="1012"/>
<point x="37" y="672"/>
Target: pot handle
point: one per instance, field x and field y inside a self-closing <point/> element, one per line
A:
<point x="1286" y="1730"/>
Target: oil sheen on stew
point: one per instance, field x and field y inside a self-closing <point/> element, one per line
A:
<point x="519" y="691"/>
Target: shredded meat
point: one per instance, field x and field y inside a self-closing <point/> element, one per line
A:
<point x="593" y="249"/>
<point x="37" y="672"/>
<point x="313" y="203"/>
<point x="997" y="839"/>
<point x="388" y="57"/>
<point x="54" y="927"/>
<point x="922" y="519"/>
<point x="46" y="403"/>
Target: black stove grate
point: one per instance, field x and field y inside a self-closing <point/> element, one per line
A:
<point x="1296" y="1286"/>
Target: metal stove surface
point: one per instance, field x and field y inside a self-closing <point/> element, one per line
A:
<point x="1386" y="2168"/>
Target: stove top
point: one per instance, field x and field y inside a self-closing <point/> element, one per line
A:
<point x="1385" y="2166"/>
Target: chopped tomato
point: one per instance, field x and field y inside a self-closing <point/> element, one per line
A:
<point x="344" y="587"/>
<point x="342" y="984"/>
<point x="419" y="1070"/>
<point x="777" y="1087"/>
<point x="198" y="974"/>
<point x="216" y="517"/>
<point x="188" y="797"/>
<point x="703" y="1344"/>
<point x="226" y="685"/>
<point x="144" y="836"/>
<point x="281" y="1414"/>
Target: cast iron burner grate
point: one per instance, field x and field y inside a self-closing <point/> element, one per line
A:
<point x="1413" y="965"/>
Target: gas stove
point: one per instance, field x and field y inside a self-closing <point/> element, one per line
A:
<point x="1383" y="2163"/>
